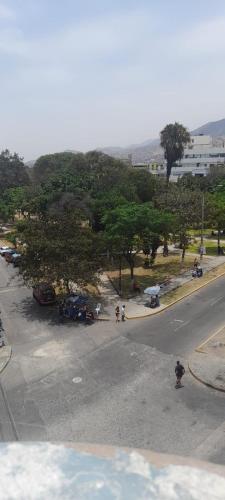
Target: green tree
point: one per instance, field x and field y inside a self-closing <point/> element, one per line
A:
<point x="145" y="184"/>
<point x="173" y="139"/>
<point x="53" y="164"/>
<point x="129" y="227"/>
<point x="59" y="247"/>
<point x="186" y="206"/>
<point x="12" y="171"/>
<point x="216" y="204"/>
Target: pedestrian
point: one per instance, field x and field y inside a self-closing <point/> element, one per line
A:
<point x="179" y="371"/>
<point x="196" y="263"/>
<point x="117" y="312"/>
<point x="123" y="313"/>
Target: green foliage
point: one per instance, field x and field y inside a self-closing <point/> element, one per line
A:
<point x="173" y="139"/>
<point x="128" y="229"/>
<point x="187" y="206"/>
<point x="12" y="171"/>
<point x="60" y="247"/>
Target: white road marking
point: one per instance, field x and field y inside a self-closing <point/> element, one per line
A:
<point x="77" y="380"/>
<point x="181" y="326"/>
<point x="216" y="300"/>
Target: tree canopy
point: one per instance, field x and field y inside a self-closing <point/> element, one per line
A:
<point x="173" y="138"/>
<point x="12" y="171"/>
<point x="59" y="248"/>
<point x="129" y="226"/>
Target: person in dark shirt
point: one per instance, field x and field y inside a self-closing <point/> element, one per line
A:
<point x="179" y="371"/>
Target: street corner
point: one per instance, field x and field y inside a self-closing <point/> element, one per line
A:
<point x="208" y="369"/>
<point x="5" y="356"/>
<point x="140" y="311"/>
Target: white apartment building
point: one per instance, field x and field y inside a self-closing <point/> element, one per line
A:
<point x="199" y="157"/>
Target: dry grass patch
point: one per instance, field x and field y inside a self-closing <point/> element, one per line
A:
<point x="164" y="268"/>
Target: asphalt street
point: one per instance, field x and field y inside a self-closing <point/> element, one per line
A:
<point x="108" y="383"/>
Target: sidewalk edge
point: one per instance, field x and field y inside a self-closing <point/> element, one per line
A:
<point x="212" y="386"/>
<point x="177" y="300"/>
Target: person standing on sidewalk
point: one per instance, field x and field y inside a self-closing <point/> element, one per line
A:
<point x="117" y="313"/>
<point x="123" y="313"/>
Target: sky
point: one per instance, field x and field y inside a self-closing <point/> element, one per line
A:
<point x="80" y="74"/>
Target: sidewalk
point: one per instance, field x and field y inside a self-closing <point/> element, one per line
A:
<point x="178" y="288"/>
<point x="207" y="362"/>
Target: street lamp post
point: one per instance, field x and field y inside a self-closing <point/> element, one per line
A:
<point x="202" y="225"/>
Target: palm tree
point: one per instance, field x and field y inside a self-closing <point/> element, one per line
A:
<point x="173" y="139"/>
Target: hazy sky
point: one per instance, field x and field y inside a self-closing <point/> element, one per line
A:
<point x="78" y="74"/>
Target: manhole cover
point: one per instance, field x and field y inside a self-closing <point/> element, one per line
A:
<point x="77" y="380"/>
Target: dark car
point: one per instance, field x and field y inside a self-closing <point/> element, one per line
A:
<point x="10" y="255"/>
<point x="16" y="259"/>
<point x="44" y="294"/>
<point x="76" y="300"/>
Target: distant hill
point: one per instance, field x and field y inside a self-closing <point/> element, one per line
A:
<point x="215" y="129"/>
<point x="147" y="151"/>
<point x="150" y="150"/>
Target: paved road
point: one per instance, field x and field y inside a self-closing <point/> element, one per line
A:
<point x="111" y="384"/>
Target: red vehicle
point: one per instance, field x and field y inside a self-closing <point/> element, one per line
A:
<point x="44" y="294"/>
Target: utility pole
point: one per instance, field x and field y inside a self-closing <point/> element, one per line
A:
<point x="120" y="275"/>
<point x="202" y="225"/>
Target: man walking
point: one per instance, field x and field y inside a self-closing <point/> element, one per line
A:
<point x="117" y="313"/>
<point x="179" y="371"/>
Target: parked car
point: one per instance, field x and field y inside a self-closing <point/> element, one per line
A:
<point x="5" y="249"/>
<point x="76" y="299"/>
<point x="9" y="255"/>
<point x="44" y="294"/>
<point x="75" y="307"/>
<point x="16" y="259"/>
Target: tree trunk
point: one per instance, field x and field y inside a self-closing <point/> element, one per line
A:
<point x="165" y="248"/>
<point x="130" y="260"/>
<point x="120" y="276"/>
<point x="153" y="255"/>
<point x="67" y="286"/>
<point x="168" y="172"/>
<point x="183" y="253"/>
<point x="131" y="271"/>
<point x="218" y="242"/>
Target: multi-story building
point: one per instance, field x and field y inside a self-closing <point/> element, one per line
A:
<point x="200" y="157"/>
<point x="154" y="168"/>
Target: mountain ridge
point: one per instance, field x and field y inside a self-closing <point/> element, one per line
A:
<point x="150" y="150"/>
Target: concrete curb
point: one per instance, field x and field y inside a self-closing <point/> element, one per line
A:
<point x="8" y="357"/>
<point x="102" y="319"/>
<point x="208" y="384"/>
<point x="179" y="299"/>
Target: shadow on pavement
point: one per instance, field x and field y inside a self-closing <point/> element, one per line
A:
<point x="32" y="311"/>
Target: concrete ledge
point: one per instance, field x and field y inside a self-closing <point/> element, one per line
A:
<point x="208" y="370"/>
<point x="102" y="318"/>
